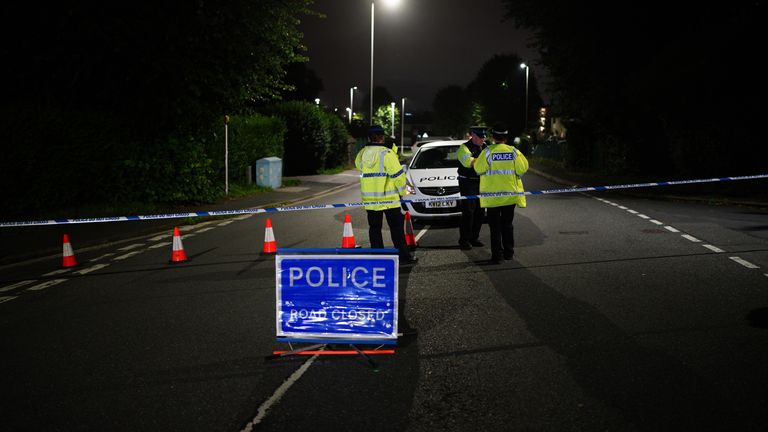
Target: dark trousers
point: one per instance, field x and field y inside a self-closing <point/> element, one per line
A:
<point x="471" y="212"/>
<point x="502" y="232"/>
<point x="471" y="220"/>
<point x="396" y="231"/>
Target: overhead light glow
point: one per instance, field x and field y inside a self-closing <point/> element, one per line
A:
<point x="392" y="3"/>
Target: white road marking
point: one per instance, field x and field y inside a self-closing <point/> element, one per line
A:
<point x="155" y="246"/>
<point x="128" y="255"/>
<point x="743" y="262"/>
<point x="45" y="285"/>
<point x="91" y="269"/>
<point x="106" y="255"/>
<point x="129" y="247"/>
<point x="656" y="222"/>
<point x="262" y="411"/>
<point x="632" y="211"/>
<point x="57" y="272"/>
<point x="225" y="223"/>
<point x="691" y="238"/>
<point x="4" y="299"/>
<point x="643" y="216"/>
<point x="160" y="237"/>
<point x="186" y="236"/>
<point x="421" y="233"/>
<point x="17" y="285"/>
<point x="623" y="208"/>
<point x="672" y="229"/>
<point x="713" y="248"/>
<point x="205" y="229"/>
<point x="244" y="217"/>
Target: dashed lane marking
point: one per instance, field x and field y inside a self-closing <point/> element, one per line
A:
<point x="691" y="238"/>
<point x="128" y="255"/>
<point x="205" y="229"/>
<point x="106" y="255"/>
<point x="671" y="229"/>
<point x="643" y="216"/>
<point x="133" y="246"/>
<point x="160" y="237"/>
<point x="155" y="246"/>
<point x="422" y="232"/>
<point x="655" y="222"/>
<point x="56" y="272"/>
<point x="713" y="248"/>
<point x="633" y="211"/>
<point x="744" y="262"/>
<point x="91" y="269"/>
<point x="244" y="217"/>
<point x="17" y="285"/>
<point x="225" y="223"/>
<point x="4" y="299"/>
<point x="45" y="285"/>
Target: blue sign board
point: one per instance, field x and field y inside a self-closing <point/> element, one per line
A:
<point x="350" y="296"/>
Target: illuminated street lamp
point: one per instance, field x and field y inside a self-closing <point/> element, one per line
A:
<point x="317" y="101"/>
<point x="392" y="114"/>
<point x="402" y="123"/>
<point x="525" y="66"/>
<point x="351" y="102"/>
<point x="392" y="4"/>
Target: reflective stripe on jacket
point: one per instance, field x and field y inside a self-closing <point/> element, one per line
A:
<point x="500" y="167"/>
<point x="381" y="176"/>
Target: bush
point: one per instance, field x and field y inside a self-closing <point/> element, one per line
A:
<point x="338" y="146"/>
<point x="252" y="137"/>
<point x="306" y="139"/>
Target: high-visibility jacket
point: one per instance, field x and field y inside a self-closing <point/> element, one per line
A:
<point x="500" y="167"/>
<point x="381" y="176"/>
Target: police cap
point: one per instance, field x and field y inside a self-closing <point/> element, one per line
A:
<point x="375" y="129"/>
<point x="500" y="129"/>
<point x="478" y="130"/>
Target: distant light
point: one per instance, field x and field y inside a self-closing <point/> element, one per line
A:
<point x="392" y="3"/>
<point x="523" y="65"/>
<point x="317" y="101"/>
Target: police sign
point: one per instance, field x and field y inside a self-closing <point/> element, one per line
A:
<point x="349" y="296"/>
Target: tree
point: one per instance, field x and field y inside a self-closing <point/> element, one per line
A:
<point x="381" y="96"/>
<point x="383" y="116"/>
<point x="499" y="88"/>
<point x="452" y="109"/>
<point x="648" y="91"/>
<point x="304" y="83"/>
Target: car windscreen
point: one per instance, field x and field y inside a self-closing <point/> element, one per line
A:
<point x="436" y="157"/>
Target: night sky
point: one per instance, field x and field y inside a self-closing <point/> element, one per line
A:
<point x="420" y="47"/>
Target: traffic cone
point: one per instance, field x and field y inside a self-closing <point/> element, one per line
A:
<point x="68" y="257"/>
<point x="270" y="246"/>
<point x="348" y="240"/>
<point x="178" y="254"/>
<point x="410" y="239"/>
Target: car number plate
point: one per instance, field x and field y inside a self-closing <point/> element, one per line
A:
<point x="440" y="204"/>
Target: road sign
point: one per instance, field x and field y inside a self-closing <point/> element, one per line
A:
<point x="348" y="296"/>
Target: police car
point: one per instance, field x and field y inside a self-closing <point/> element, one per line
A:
<point x="431" y="173"/>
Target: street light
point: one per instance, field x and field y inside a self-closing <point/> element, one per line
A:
<point x="402" y="123"/>
<point x="351" y="102"/>
<point x="392" y="4"/>
<point x="392" y="114"/>
<point x="525" y="66"/>
<point x="317" y="101"/>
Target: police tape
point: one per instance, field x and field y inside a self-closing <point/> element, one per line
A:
<point x="361" y="204"/>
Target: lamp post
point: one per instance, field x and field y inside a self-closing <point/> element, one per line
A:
<point x="525" y="66"/>
<point x="392" y="114"/>
<point x="402" y="123"/>
<point x="351" y="102"/>
<point x="392" y="3"/>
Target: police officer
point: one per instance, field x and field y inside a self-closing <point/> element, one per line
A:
<point x="383" y="179"/>
<point x="500" y="166"/>
<point x="469" y="184"/>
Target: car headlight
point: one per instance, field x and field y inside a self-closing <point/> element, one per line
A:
<point x="409" y="187"/>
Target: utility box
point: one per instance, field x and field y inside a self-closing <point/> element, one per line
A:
<point x="269" y="172"/>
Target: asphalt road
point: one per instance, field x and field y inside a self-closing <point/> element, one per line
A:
<point x="617" y="314"/>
